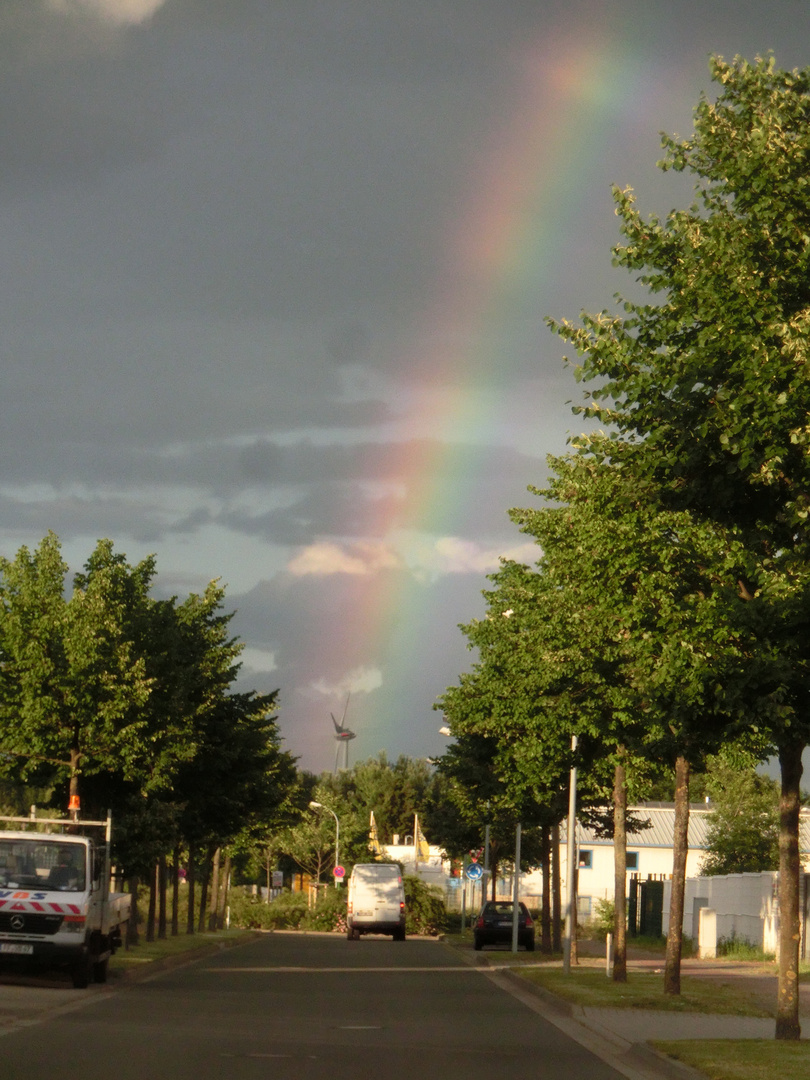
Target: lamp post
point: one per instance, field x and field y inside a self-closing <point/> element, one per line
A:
<point x="319" y="806"/>
<point x="571" y="868"/>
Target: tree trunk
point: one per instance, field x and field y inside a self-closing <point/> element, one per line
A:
<point x="224" y="886"/>
<point x="214" y="897"/>
<point x="161" y="932"/>
<point x="680" y="849"/>
<point x="545" y="915"/>
<point x="191" y="881"/>
<point x="150" y="917"/>
<point x="556" y="891"/>
<point x="204" y="891"/>
<point x="176" y="891"/>
<point x="620" y="874"/>
<point x="787" y="1004"/>
<point x="133" y="923"/>
<point x="73" y="786"/>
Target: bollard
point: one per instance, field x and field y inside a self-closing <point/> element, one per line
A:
<point x="609" y="955"/>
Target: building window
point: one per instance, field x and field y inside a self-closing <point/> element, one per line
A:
<point x="585" y="860"/>
<point x="632" y="860"/>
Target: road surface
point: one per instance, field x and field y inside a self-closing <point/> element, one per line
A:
<point x="293" y="1007"/>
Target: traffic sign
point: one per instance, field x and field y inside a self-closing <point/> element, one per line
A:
<point x="474" y="871"/>
<point x="339" y="872"/>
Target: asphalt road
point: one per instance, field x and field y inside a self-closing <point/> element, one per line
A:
<point x="297" y="1007"/>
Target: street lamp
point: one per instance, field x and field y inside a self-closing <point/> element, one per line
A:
<point x="319" y="806"/>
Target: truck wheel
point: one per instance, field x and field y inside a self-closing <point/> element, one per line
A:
<point x="100" y="970"/>
<point x="80" y="974"/>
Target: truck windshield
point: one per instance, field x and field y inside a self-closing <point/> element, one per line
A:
<point x="46" y="863"/>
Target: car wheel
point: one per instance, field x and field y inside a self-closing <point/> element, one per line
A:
<point x="530" y="945"/>
<point x="478" y="945"/>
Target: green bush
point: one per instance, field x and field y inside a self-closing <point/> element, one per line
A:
<point x="735" y="948"/>
<point x="601" y="923"/>
<point x="424" y="908"/>
<point x="329" y="913"/>
<point x="252" y="913"/>
<point x="289" y="911"/>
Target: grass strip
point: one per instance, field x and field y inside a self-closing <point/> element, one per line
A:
<point x="147" y="952"/>
<point x="742" y="1059"/>
<point x="590" y="987"/>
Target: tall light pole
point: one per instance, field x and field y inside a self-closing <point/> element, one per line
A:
<point x="319" y="806"/>
<point x="570" y="910"/>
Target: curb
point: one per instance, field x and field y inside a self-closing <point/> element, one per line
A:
<point x="634" y="1060"/>
<point x="177" y="960"/>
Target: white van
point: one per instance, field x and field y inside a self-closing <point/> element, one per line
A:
<point x="376" y="902"/>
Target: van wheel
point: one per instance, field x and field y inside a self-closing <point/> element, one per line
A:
<point x="399" y="935"/>
<point x="100" y="971"/>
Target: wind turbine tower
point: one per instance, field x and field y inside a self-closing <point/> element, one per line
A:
<point x="342" y="737"/>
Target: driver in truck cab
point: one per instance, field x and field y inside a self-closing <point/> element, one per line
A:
<point x="69" y="871"/>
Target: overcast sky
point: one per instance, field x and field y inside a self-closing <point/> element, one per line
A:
<point x="272" y="290"/>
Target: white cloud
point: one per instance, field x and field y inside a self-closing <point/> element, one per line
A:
<point x="360" y="559"/>
<point x="123" y="12"/>
<point x="362" y="680"/>
<point x="453" y="555"/>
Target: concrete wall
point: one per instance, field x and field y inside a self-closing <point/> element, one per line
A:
<point x="745" y="905"/>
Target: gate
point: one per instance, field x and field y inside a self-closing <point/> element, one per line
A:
<point x="645" y="909"/>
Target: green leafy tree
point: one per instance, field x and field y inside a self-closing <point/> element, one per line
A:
<point x="513" y="717"/>
<point x="705" y="384"/>
<point x="650" y="639"/>
<point x="394" y="790"/>
<point x="743" y="830"/>
<point x="73" y="684"/>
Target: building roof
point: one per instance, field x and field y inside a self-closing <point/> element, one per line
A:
<point x="660" y="833"/>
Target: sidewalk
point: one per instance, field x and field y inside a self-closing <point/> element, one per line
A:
<point x="621" y="1037"/>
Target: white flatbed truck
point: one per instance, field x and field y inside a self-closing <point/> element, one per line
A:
<point x="56" y="907"/>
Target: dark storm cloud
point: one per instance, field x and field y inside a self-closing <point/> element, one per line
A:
<point x="266" y="616"/>
<point x="295" y="168"/>
<point x="230" y="241"/>
<point x="381" y="462"/>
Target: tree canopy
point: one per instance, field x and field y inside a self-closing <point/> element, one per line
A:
<point x="704" y="387"/>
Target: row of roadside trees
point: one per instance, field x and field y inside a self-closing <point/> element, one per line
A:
<point x="666" y="617"/>
<point x="121" y="700"/>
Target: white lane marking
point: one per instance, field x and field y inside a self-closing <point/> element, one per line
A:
<point x="364" y="970"/>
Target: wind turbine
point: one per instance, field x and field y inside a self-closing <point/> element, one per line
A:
<point x="342" y="737"/>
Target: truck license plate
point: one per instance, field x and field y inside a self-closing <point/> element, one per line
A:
<point x="18" y="950"/>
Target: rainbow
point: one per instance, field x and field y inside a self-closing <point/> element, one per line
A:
<point x="526" y="190"/>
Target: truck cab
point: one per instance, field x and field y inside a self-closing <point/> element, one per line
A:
<point x="56" y="908"/>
